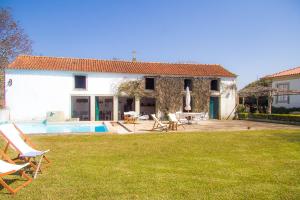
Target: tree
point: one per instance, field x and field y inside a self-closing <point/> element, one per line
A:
<point x="13" y="41"/>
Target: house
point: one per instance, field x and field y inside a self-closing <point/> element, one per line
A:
<point x="87" y="88"/>
<point x="286" y="80"/>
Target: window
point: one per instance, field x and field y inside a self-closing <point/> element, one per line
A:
<point x="149" y="83"/>
<point x="104" y="108"/>
<point x="80" y="82"/>
<point x="147" y="106"/>
<point x="80" y="107"/>
<point x="126" y="104"/>
<point x="214" y="85"/>
<point x="283" y="98"/>
<point x="188" y="83"/>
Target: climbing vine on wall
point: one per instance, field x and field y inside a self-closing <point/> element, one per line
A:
<point x="228" y="87"/>
<point x="169" y="92"/>
<point x="133" y="88"/>
<point x="201" y="94"/>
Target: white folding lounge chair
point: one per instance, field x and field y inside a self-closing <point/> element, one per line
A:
<point x="174" y="121"/>
<point x="158" y="125"/>
<point x="26" y="152"/>
<point x="8" y="168"/>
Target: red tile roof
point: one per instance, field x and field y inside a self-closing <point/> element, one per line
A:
<point x="290" y="72"/>
<point x="93" y="65"/>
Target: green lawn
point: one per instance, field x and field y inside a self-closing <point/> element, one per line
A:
<point x="213" y="165"/>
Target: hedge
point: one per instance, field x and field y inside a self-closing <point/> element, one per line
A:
<point x="279" y="117"/>
<point x="243" y="115"/>
<point x="282" y="110"/>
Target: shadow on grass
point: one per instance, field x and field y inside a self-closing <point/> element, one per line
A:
<point x="15" y="177"/>
<point x="9" y="182"/>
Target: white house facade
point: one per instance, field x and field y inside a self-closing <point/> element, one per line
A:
<point x="287" y="80"/>
<point x="86" y="88"/>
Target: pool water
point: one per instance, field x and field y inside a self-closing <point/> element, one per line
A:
<point x="35" y="128"/>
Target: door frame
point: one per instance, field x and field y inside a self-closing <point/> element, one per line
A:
<point x="104" y="96"/>
<point x="218" y="110"/>
<point x="123" y="96"/>
<point x="81" y="95"/>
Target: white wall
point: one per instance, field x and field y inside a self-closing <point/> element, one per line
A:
<point x="294" y="99"/>
<point x="228" y="97"/>
<point x="33" y="93"/>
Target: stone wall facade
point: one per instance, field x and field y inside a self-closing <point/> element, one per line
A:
<point x="169" y="92"/>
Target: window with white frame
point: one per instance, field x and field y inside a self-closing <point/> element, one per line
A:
<point x="80" y="82"/>
<point x="283" y="98"/>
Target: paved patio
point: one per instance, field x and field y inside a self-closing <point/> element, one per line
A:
<point x="215" y="125"/>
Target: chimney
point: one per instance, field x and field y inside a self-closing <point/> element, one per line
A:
<point x="133" y="56"/>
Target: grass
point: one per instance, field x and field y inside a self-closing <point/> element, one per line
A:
<point x="213" y="165"/>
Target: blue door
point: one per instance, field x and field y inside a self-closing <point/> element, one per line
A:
<point x="214" y="108"/>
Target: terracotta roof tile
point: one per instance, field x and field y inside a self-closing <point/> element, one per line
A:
<point x="93" y="65"/>
<point x="289" y="72"/>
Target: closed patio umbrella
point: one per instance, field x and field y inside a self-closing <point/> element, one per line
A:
<point x="188" y="100"/>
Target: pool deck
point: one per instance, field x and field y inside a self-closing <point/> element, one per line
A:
<point x="214" y="125"/>
<point x="203" y="126"/>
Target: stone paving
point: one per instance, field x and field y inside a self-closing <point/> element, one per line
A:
<point x="215" y="125"/>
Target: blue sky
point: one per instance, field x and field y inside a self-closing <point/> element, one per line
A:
<point x="250" y="38"/>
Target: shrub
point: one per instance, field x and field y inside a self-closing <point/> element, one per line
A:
<point x="285" y="117"/>
<point x="258" y="116"/>
<point x="241" y="109"/>
<point x="279" y="117"/>
<point x="243" y="115"/>
<point x="283" y="110"/>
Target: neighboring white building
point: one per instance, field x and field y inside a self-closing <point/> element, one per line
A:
<point x="86" y="88"/>
<point x="289" y="80"/>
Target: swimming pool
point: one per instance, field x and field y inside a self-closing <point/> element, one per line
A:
<point x="36" y="128"/>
